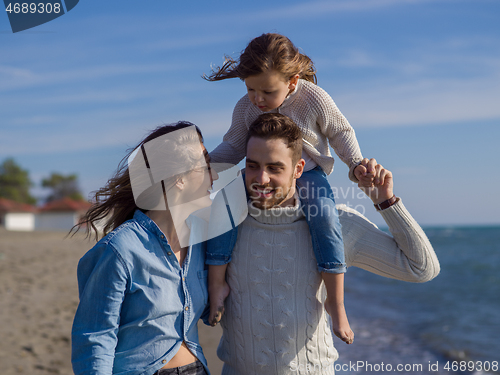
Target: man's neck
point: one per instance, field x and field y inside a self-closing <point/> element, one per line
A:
<point x="289" y="201"/>
<point x="278" y="214"/>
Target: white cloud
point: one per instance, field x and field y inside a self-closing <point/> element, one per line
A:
<point x="17" y="73"/>
<point x="189" y="42"/>
<point x="422" y="103"/>
<point x="356" y="58"/>
<point x="51" y="134"/>
<point x="320" y="8"/>
<point x="213" y="123"/>
<point x="439" y="81"/>
<point x="39" y="134"/>
<point x="12" y="78"/>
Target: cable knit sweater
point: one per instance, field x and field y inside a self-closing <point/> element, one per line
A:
<point x="317" y="116"/>
<point x="274" y="321"/>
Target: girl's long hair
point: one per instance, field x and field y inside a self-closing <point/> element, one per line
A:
<point x="114" y="203"/>
<point x="266" y="52"/>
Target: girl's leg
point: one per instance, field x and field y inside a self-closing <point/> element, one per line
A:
<point x="318" y="204"/>
<point x="334" y="306"/>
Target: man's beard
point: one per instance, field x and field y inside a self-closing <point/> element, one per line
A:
<point x="277" y="198"/>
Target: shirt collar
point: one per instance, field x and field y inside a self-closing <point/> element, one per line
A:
<point x="146" y="222"/>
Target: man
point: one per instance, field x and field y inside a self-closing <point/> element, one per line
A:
<point x="274" y="320"/>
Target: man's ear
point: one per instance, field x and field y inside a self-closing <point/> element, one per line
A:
<point x="299" y="168"/>
<point x="293" y="82"/>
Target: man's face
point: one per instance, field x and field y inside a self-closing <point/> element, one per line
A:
<point x="270" y="173"/>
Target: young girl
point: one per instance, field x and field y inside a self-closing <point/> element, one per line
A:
<point x="280" y="79"/>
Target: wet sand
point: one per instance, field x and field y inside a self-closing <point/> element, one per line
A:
<point x="38" y="299"/>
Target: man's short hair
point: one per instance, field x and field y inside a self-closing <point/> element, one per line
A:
<point x="278" y="126"/>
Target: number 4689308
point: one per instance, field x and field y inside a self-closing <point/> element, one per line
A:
<point x="471" y="366"/>
<point x="33" y="8"/>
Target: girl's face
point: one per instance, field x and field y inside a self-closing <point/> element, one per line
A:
<point x="269" y="89"/>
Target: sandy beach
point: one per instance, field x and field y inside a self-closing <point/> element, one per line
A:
<point x="39" y="296"/>
<point x="38" y="299"/>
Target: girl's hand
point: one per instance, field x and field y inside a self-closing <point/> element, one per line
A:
<point x="382" y="188"/>
<point x="365" y="172"/>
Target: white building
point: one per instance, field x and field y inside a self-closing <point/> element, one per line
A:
<point x="17" y="216"/>
<point x="62" y="214"/>
<point x="57" y="215"/>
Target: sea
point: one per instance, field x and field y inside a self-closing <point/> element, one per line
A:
<point x="449" y="325"/>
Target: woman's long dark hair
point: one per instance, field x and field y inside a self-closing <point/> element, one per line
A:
<point x="114" y="203"/>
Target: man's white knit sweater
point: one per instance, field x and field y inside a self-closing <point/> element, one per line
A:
<point x="317" y="116"/>
<point x="274" y="321"/>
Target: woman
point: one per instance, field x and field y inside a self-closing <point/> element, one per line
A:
<point x="143" y="286"/>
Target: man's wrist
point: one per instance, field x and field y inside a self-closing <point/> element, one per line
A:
<point x="386" y="204"/>
<point x="378" y="197"/>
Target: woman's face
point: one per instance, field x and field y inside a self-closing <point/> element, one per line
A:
<point x="198" y="181"/>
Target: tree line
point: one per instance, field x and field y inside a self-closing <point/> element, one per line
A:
<point x="15" y="184"/>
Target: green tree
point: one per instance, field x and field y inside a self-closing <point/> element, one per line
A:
<point x="62" y="186"/>
<point x="15" y="182"/>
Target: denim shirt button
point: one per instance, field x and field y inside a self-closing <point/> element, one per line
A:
<point x="169" y="253"/>
<point x="162" y="236"/>
<point x="164" y="361"/>
<point x="187" y="308"/>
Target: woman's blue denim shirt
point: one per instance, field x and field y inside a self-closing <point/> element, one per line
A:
<point x="137" y="304"/>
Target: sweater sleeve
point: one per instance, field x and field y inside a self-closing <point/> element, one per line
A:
<point x="406" y="255"/>
<point x="232" y="149"/>
<point x="339" y="132"/>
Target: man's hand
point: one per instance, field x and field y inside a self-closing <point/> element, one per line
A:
<point x="382" y="188"/>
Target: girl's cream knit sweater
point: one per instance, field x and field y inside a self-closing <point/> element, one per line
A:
<point x="317" y="116"/>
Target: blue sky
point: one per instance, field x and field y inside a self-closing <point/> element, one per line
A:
<point x="419" y="80"/>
